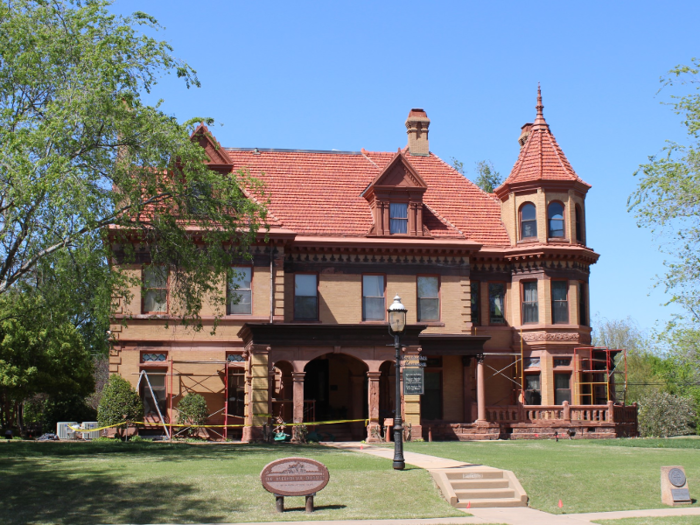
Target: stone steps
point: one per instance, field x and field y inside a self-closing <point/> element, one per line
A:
<point x="474" y="486"/>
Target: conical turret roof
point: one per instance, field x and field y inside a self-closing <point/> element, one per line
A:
<point x="541" y="158"/>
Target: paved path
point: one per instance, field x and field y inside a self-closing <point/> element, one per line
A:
<point x="509" y="515"/>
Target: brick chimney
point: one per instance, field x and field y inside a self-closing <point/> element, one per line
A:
<point x="417" y="125"/>
<point x="524" y="134"/>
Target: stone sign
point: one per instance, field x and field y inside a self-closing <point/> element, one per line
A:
<point x="413" y="381"/>
<point x="674" y="487"/>
<point x="294" y="477"/>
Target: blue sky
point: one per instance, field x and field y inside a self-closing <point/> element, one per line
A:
<point x="343" y="75"/>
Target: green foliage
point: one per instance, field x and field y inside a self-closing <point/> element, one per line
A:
<point x="662" y="415"/>
<point x="488" y="179"/>
<point x="667" y="198"/>
<point x="81" y="153"/>
<point x="43" y="412"/>
<point x="192" y="410"/>
<point x="120" y="402"/>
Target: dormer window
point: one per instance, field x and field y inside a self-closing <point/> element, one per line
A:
<point x="395" y="198"/>
<point x="398" y="218"/>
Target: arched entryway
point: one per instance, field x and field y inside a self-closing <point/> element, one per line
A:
<point x="337" y="383"/>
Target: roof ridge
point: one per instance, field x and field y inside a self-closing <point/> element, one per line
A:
<point x="252" y="197"/>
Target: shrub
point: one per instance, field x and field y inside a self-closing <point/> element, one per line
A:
<point x="663" y="415"/>
<point x="192" y="410"/>
<point x="119" y="403"/>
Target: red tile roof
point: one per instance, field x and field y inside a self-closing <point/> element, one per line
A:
<point x="320" y="193"/>
<point x="541" y="158"/>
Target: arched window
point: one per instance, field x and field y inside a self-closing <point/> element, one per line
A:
<point x="555" y="214"/>
<point x="528" y="221"/>
<point x="577" y="210"/>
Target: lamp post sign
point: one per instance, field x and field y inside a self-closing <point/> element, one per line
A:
<point x="413" y="381"/>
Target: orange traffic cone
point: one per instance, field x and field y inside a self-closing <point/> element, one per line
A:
<point x="560" y="504"/>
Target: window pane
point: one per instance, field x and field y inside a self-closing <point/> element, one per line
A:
<point x="577" y="212"/>
<point x="555" y="214"/>
<point x="428" y="309"/>
<point x="560" y="290"/>
<point x="532" y="390"/>
<point x="562" y="395"/>
<point x="373" y="309"/>
<point x="398" y="211"/>
<point x="373" y="285"/>
<point x="306" y="308"/>
<point x="240" y="302"/>
<point x="528" y="212"/>
<point x="529" y="229"/>
<point x="556" y="211"/>
<point x="530" y="313"/>
<point x="305" y="285"/>
<point x="561" y="380"/>
<point x="398" y="215"/>
<point x="530" y="305"/>
<point x="241" y="277"/>
<point x="155" y="277"/>
<point x="155" y="301"/>
<point x="556" y="228"/>
<point x="427" y="287"/>
<point x="496" y="300"/>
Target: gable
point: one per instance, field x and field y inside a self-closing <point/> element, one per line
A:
<point x="218" y="158"/>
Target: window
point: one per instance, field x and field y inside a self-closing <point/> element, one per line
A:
<point x="582" y="310"/>
<point x="562" y="388"/>
<point x="398" y="218"/>
<point x="560" y="302"/>
<point x="530" y="309"/>
<point x="475" y="302"/>
<point x="577" y="213"/>
<point x="555" y="214"/>
<point x="155" y="297"/>
<point x="562" y="361"/>
<point x="153" y="358"/>
<point x="532" y="362"/>
<point x="156" y="377"/>
<point x="497" y="294"/>
<point x="373" y="307"/>
<point x="239" y="293"/>
<point x="528" y="221"/>
<point x="305" y="297"/>
<point x="428" y="299"/>
<point x="236" y="391"/>
<point x="532" y="390"/>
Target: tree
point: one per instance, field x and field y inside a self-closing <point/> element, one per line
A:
<point x="487" y="178"/>
<point x="192" y="410"/>
<point x="119" y="403"/>
<point x="663" y="415"/>
<point x="644" y="368"/>
<point x="81" y="154"/>
<point x="667" y="198"/>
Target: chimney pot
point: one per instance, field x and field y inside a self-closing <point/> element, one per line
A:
<point x="417" y="125"/>
<point x="524" y="133"/>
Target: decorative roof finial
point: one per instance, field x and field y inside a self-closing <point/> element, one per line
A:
<point x="540" y="117"/>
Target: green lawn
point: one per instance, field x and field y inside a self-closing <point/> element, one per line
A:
<point x="74" y="483"/>
<point x="587" y="475"/>
<point x="676" y="520"/>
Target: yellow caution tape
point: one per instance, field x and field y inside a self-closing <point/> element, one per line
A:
<point x="307" y="423"/>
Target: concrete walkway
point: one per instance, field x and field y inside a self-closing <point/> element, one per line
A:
<point x="509" y="515"/>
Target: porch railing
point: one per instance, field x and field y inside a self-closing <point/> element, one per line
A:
<point x="608" y="413"/>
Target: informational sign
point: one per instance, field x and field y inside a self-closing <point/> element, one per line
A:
<point x="674" y="486"/>
<point x="415" y="361"/>
<point x="294" y="476"/>
<point x="413" y="381"/>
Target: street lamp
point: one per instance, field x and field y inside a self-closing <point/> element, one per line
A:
<point x="397" y="325"/>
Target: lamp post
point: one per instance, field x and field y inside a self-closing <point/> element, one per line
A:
<point x="397" y="325"/>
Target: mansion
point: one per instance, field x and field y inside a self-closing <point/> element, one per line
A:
<point x="495" y="284"/>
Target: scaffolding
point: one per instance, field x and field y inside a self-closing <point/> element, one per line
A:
<point x="600" y="375"/>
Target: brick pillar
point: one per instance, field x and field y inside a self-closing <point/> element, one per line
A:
<point x="259" y="405"/>
<point x="373" y="401"/>
<point x="480" y="390"/>
<point x="298" y="396"/>
<point x="248" y="406"/>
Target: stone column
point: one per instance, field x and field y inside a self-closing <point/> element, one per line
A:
<point x="298" y="397"/>
<point x="373" y="401"/>
<point x="480" y="390"/>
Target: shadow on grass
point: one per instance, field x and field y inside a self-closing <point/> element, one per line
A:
<point x="44" y="493"/>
